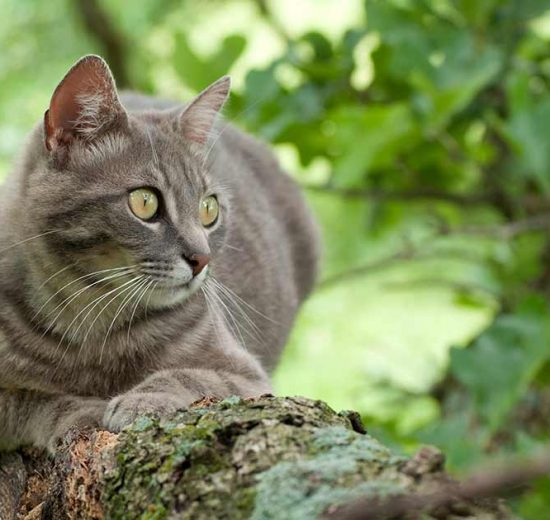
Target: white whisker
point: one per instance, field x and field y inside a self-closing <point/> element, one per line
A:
<point x="233" y="247"/>
<point x="228" y="315"/>
<point x="145" y="288"/>
<point x="94" y="303"/>
<point x="155" y="156"/>
<point x="90" y="275"/>
<point x="224" y="287"/>
<point x="67" y="301"/>
<point x="149" y="298"/>
<point x="130" y="283"/>
<point x="121" y="307"/>
<point x="29" y="239"/>
<point x="54" y="275"/>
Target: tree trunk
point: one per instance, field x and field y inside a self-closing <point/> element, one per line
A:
<point x="270" y="458"/>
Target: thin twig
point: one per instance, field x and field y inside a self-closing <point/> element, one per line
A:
<point x="98" y="23"/>
<point x="418" y="251"/>
<point x="418" y="194"/>
<point x="268" y="16"/>
<point x="530" y="203"/>
<point x="507" y="479"/>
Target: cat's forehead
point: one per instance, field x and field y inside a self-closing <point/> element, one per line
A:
<point x="148" y="149"/>
<point x="157" y="141"/>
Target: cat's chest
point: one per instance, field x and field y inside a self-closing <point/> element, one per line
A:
<point x="32" y="360"/>
<point x="40" y="364"/>
<point x="19" y="370"/>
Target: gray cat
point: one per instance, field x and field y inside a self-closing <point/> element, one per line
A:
<point x="147" y="261"/>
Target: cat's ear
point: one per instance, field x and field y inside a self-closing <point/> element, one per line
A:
<point x="84" y="104"/>
<point x="198" y="118"/>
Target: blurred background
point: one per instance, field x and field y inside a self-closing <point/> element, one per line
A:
<point x="420" y="131"/>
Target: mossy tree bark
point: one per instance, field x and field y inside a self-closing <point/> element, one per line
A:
<point x="270" y="458"/>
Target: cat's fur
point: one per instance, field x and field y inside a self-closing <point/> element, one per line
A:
<point x="67" y="361"/>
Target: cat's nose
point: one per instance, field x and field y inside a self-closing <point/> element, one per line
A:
<point x="198" y="262"/>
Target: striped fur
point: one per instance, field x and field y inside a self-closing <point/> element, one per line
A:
<point x="101" y="318"/>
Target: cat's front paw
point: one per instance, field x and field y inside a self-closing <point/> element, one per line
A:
<point x="124" y="409"/>
<point x="87" y="415"/>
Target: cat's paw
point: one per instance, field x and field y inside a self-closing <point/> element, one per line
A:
<point x="124" y="409"/>
<point x="88" y="415"/>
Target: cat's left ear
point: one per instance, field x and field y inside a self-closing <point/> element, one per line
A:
<point x="199" y="117"/>
<point x="83" y="106"/>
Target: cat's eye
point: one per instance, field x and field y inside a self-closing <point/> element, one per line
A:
<point x="144" y="203"/>
<point x="209" y="211"/>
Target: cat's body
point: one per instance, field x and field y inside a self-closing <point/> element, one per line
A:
<point x="66" y="359"/>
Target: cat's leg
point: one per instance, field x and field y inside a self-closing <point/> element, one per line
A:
<point x="41" y="419"/>
<point x="166" y="391"/>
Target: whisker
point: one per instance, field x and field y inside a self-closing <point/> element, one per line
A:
<point x="75" y="281"/>
<point x="67" y="301"/>
<point x="149" y="298"/>
<point x="234" y="328"/>
<point x="54" y="275"/>
<point x="29" y="239"/>
<point x="155" y="156"/>
<point x="251" y="328"/>
<point x="148" y="284"/>
<point x="131" y="282"/>
<point x="224" y="287"/>
<point x="214" y="313"/>
<point x="233" y="247"/>
<point x="95" y="303"/>
<point x="121" y="307"/>
<point x="232" y="298"/>
<point x="92" y="304"/>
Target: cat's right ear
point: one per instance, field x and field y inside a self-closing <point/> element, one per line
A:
<point x="84" y="105"/>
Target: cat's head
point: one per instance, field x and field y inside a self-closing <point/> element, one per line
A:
<point x="128" y="196"/>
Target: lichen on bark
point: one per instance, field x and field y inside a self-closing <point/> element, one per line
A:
<point x="207" y="462"/>
<point x="273" y="458"/>
<point x="265" y="459"/>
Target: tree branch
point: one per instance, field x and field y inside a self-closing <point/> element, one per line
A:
<point x="409" y="252"/>
<point x="13" y="475"/>
<point x="510" y="478"/>
<point x="531" y="203"/>
<point x="100" y="26"/>
<point x="262" y="458"/>
<point x="267" y="15"/>
<point x="418" y="194"/>
<point x="417" y="251"/>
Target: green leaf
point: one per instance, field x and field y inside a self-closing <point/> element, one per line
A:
<point x="198" y="72"/>
<point x="498" y="368"/>
<point x="369" y="137"/>
<point x="530" y="130"/>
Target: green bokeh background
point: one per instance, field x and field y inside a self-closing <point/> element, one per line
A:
<point x="420" y="131"/>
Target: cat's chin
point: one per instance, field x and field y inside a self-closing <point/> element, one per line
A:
<point x="169" y="295"/>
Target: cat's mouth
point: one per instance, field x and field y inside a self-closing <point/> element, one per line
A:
<point x="172" y="290"/>
<point x="170" y="282"/>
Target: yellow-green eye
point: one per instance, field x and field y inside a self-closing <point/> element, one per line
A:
<point x="209" y="210"/>
<point x="144" y="203"/>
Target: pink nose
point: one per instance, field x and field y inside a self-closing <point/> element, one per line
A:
<point x="198" y="263"/>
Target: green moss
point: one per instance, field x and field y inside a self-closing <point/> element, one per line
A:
<point x="273" y="458"/>
<point x="210" y="456"/>
<point x="343" y="466"/>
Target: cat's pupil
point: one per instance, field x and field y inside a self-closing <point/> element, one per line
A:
<point x="144" y="203"/>
<point x="209" y="211"/>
